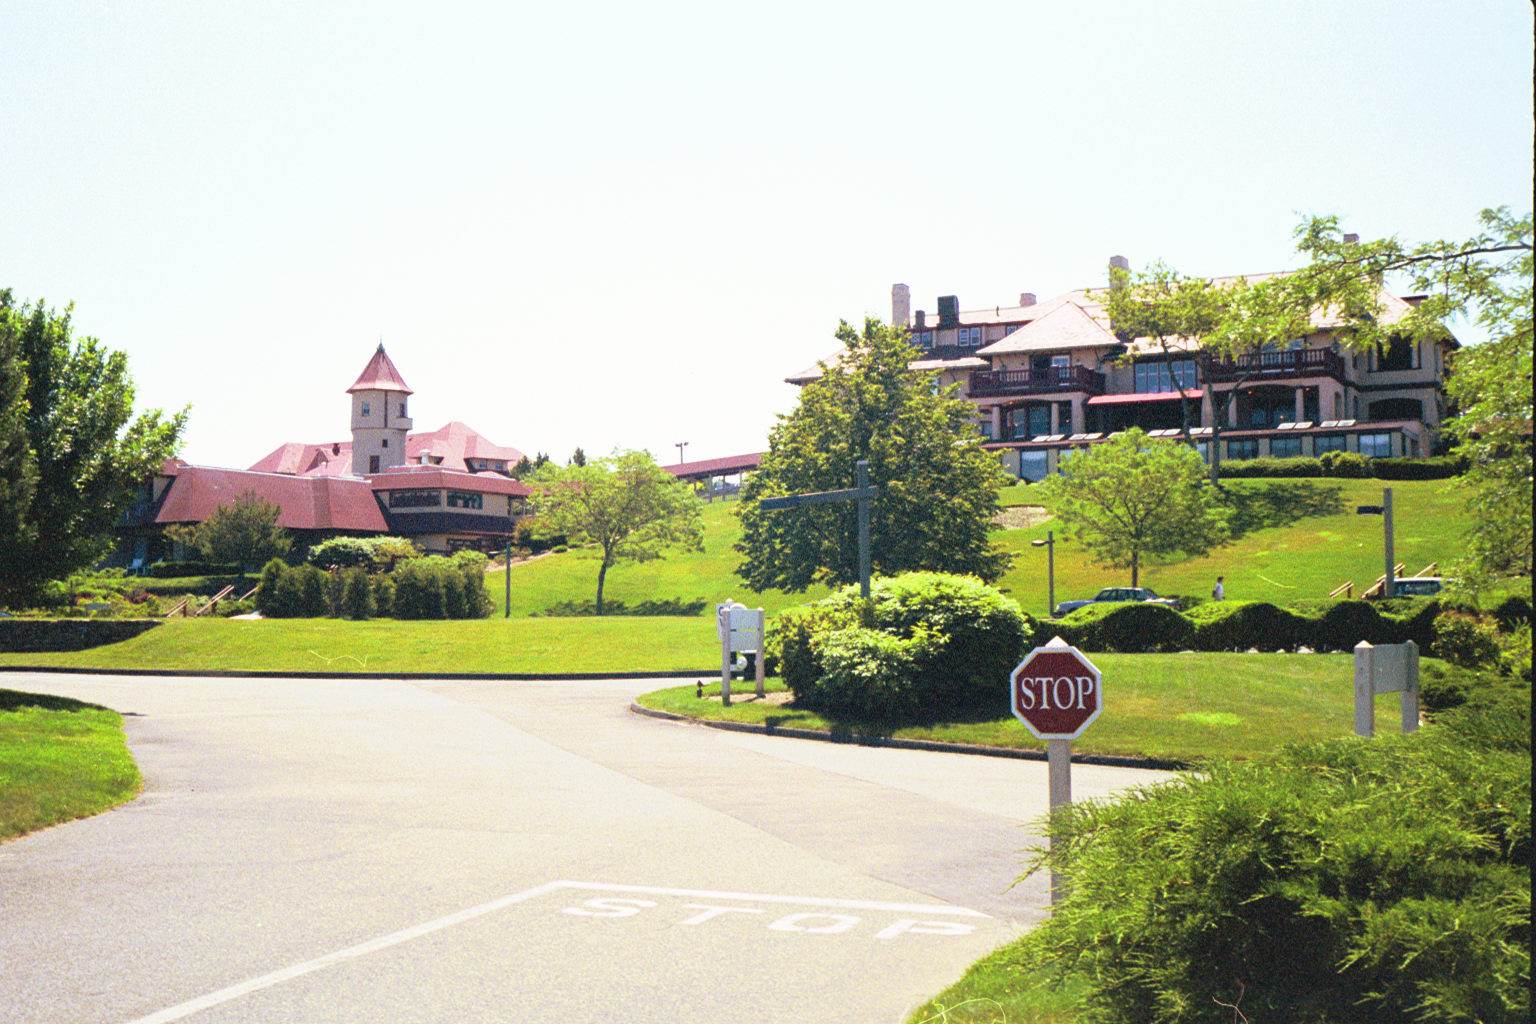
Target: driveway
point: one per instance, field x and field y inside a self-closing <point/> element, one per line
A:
<point x="374" y="850"/>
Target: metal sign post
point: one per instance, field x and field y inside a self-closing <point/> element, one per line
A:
<point x="862" y="493"/>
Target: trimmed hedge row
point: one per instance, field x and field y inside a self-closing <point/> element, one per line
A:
<point x="1347" y="465"/>
<point x="1245" y="625"/>
<point x="434" y="587"/>
<point x="177" y="570"/>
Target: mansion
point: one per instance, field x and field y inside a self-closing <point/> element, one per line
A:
<point x="446" y="490"/>
<point x="1048" y="377"/>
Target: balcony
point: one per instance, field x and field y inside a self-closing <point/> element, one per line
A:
<point x="992" y="383"/>
<point x="1302" y="362"/>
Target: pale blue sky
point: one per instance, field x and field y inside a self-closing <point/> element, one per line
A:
<point x="604" y="223"/>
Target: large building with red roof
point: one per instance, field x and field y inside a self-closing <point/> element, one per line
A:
<point x="1049" y="377"/>
<point x="446" y="489"/>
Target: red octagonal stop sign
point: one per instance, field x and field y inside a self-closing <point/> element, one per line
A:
<point x="1056" y="691"/>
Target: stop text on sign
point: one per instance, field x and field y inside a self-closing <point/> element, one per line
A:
<point x="1064" y="693"/>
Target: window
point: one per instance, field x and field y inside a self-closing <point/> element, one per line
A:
<point x="1323" y="443"/>
<point x="927" y="337"/>
<point x="1034" y="466"/>
<point x="1061" y="360"/>
<point x="384" y="442"/>
<point x="373" y="463"/>
<point x="985" y="426"/>
<point x="415" y="499"/>
<point x="1399" y="355"/>
<point x="1204" y="448"/>
<point x="464" y="499"/>
<point x="1285" y="447"/>
<point x="1377" y="446"/>
<point x="1158" y="377"/>
<point x="1247" y="449"/>
<point x="367" y="409"/>
<point x="968" y="336"/>
<point x="402" y="408"/>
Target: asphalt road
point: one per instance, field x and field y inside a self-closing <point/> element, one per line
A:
<point x="462" y="851"/>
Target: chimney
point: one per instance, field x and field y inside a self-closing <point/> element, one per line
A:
<point x="1118" y="263"/>
<point x="901" y="305"/>
<point x="1027" y="299"/>
<point x="949" y="310"/>
<point x="920" y="321"/>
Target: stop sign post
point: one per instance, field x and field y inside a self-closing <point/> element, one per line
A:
<point x="1057" y="693"/>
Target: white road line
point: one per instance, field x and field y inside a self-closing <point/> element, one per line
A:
<point x="802" y="901"/>
<point x="245" y="988"/>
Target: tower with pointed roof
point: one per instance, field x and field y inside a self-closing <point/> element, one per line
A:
<point x="380" y="416"/>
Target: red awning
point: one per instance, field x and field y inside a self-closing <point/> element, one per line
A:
<point x="1160" y="396"/>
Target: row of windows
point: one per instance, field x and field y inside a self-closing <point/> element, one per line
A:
<point x="431" y="499"/>
<point x="464" y="499"/>
<point x="367" y="409"/>
<point x="1158" y="378"/>
<point x="968" y="337"/>
<point x="1034" y="466"/>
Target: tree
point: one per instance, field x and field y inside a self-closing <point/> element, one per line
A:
<point x="86" y="452"/>
<point x="625" y="505"/>
<point x="938" y="487"/>
<point x="1208" y="324"/>
<point x="1487" y="279"/>
<point x="1132" y="497"/>
<point x="245" y="532"/>
<point x="578" y="457"/>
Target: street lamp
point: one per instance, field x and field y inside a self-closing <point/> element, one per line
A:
<point x="1050" y="560"/>
<point x="1389" y="584"/>
<point x="680" y="446"/>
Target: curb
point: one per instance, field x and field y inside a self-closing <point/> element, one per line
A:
<point x="264" y="674"/>
<point x="935" y="746"/>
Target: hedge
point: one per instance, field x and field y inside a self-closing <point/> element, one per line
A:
<point x="176" y="570"/>
<point x="1346" y="464"/>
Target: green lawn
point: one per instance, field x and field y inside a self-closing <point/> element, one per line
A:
<point x="1174" y="707"/>
<point x="59" y="760"/>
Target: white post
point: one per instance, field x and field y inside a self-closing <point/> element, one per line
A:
<point x="1411" y="689"/>
<point x="1365" y="690"/>
<point x="724" y="617"/>
<point x="762" y="655"/>
<point x="1058" y="755"/>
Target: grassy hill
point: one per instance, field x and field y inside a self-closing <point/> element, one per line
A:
<point x="1303" y="538"/>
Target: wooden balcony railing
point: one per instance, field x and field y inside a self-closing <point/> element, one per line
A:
<point x="986" y="383"/>
<point x="1302" y="362"/>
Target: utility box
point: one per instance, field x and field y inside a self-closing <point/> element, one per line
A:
<point x="741" y="631"/>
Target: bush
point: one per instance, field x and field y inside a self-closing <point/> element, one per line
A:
<point x="1126" y="628"/>
<point x="383" y="596"/>
<point x="1368" y="882"/>
<point x="1343" y="624"/>
<point x="1515" y="652"/>
<point x="356" y="594"/>
<point x="1439" y="467"/>
<point x="176" y="570"/>
<point x="1344" y="464"/>
<point x="268" y="602"/>
<point x="1471" y="641"/>
<point x="1512" y="613"/>
<point x="314" y="587"/>
<point x="342" y="553"/>
<point x="958" y="639"/>
<point x="436" y="587"/>
<point x="1241" y="625"/>
<point x="668" y="606"/>
<point x="1268" y="466"/>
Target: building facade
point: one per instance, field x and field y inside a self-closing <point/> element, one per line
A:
<point x="446" y="490"/>
<point x="1049" y="377"/>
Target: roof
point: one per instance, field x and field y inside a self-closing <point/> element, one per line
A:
<point x="715" y="467"/>
<point x="304" y="503"/>
<point x="1068" y="326"/>
<point x="398" y="478"/>
<point x="449" y="446"/>
<point x="380" y="375"/>
<point x="1194" y="394"/>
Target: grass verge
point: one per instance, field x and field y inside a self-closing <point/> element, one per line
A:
<point x="1169" y="707"/>
<point x="59" y="760"/>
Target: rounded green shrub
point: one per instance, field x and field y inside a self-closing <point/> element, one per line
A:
<point x="1132" y="628"/>
<point x="1244" y="625"/>
<point x="1471" y="641"/>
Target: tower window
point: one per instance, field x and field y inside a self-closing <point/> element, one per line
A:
<point x="384" y="442"/>
<point x="367" y="411"/>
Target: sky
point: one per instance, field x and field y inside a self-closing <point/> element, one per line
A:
<point x="612" y="224"/>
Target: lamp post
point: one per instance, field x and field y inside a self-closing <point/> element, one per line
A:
<point x="506" y="610"/>
<point x="680" y="446"/>
<point x="1389" y="584"/>
<point x="1050" y="560"/>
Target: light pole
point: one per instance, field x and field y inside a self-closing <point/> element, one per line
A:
<point x="1389" y="583"/>
<point x="680" y="446"/>
<point x="1050" y="560"/>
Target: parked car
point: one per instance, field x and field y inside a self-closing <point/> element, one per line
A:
<point x="1111" y="594"/>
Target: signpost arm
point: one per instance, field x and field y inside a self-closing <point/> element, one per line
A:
<point x="1058" y="755"/>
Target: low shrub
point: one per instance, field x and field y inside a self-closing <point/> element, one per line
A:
<point x="953" y="638"/>
<point x="342" y="553"/>
<point x="1370" y="882"/>
<point x="1244" y="625"/>
<point x="1269" y="466"/>
<point x="1344" y="464"/>
<point x="356" y="595"/>
<point x="1125" y="628"/>
<point x="176" y="570"/>
<point x="1471" y="641"/>
<point x="1438" y="467"/>
<point x="1511" y="613"/>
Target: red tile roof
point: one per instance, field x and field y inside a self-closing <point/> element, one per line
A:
<point x="449" y="447"/>
<point x="715" y="467"/>
<point x="305" y="503"/>
<point x="380" y="375"/>
<point x="398" y="478"/>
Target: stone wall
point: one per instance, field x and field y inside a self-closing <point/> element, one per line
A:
<point x="18" y="635"/>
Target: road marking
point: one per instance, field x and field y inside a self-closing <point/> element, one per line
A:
<point x="608" y="908"/>
<point x="245" y="988"/>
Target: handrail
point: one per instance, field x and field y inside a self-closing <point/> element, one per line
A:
<point x="1347" y="588"/>
<point x="251" y="593"/>
<point x="1429" y="570"/>
<point x="1380" y="586"/>
<point x="215" y="599"/>
<point x="179" y="606"/>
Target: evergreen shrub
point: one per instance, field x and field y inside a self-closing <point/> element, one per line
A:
<point x="1269" y="466"/>
<point x="1344" y="464"/>
<point x="1438" y="467"/>
<point x="1241" y="625"/>
<point x="1129" y="628"/>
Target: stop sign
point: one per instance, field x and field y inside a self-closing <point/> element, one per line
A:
<point x="1056" y="691"/>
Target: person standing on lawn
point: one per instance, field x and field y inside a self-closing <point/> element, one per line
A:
<point x="1220" y="593"/>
